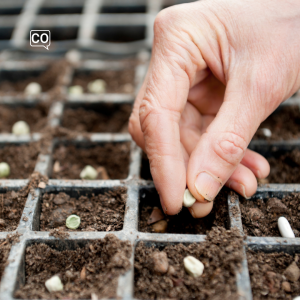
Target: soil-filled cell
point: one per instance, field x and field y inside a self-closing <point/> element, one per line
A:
<point x="103" y="118"/>
<point x="260" y="216"/>
<point x="35" y="117"/>
<point x="160" y="274"/>
<point x="272" y="275"/>
<point x="117" y="81"/>
<point x="111" y="160"/>
<point x="85" y="268"/>
<point x="97" y="211"/>
<point x="152" y="218"/>
<point x="5" y="246"/>
<point x="21" y="159"/>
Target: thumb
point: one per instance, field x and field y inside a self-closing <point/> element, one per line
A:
<point x="222" y="147"/>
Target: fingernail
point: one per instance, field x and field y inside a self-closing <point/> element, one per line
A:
<point x="163" y="205"/>
<point x="192" y="212"/>
<point x="207" y="186"/>
<point x="240" y="188"/>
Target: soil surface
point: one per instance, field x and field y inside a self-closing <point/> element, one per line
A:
<point x="91" y="269"/>
<point x="116" y="81"/>
<point x="218" y="280"/>
<point x="259" y="217"/>
<point x="114" y="157"/>
<point x="184" y="222"/>
<point x="285" y="167"/>
<point x="105" y="120"/>
<point x="5" y="246"/>
<point x="11" y="208"/>
<point x="268" y="279"/>
<point x="284" y="124"/>
<point x="102" y="212"/>
<point x="21" y="159"/>
<point x="35" y="117"/>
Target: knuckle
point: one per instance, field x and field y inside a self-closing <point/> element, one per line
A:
<point x="146" y="110"/>
<point x="230" y="147"/>
<point x="165" y="19"/>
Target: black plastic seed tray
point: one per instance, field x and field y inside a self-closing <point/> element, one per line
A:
<point x="90" y="24"/>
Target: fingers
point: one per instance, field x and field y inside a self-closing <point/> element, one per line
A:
<point x="200" y="210"/>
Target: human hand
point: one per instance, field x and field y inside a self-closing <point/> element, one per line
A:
<point x="218" y="69"/>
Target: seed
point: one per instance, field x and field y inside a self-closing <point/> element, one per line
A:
<point x="73" y="222"/>
<point x="88" y="173"/>
<point x="54" y="284"/>
<point x="161" y="263"/>
<point x="193" y="266"/>
<point x="4" y="169"/>
<point x="73" y="56"/>
<point x="292" y="272"/>
<point x="188" y="198"/>
<point x="20" y="128"/>
<point x="97" y="86"/>
<point x="285" y="228"/>
<point x="266" y="132"/>
<point x="75" y="90"/>
<point x="33" y="89"/>
<point x="160" y="226"/>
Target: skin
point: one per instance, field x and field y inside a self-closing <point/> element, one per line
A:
<point x="218" y="69"/>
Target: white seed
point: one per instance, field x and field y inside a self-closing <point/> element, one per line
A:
<point x="88" y="173"/>
<point x="75" y="90"/>
<point x="193" y="266"/>
<point x="73" y="222"/>
<point x="4" y="170"/>
<point x="97" y="86"/>
<point x="266" y="132"/>
<point x="20" y="128"/>
<point x="33" y="89"/>
<point x="73" y="56"/>
<point x="188" y="198"/>
<point x="285" y="228"/>
<point x="297" y="298"/>
<point x="54" y="284"/>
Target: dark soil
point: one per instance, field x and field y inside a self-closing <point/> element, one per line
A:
<point x="284" y="124"/>
<point x="266" y="274"/>
<point x="35" y="117"/>
<point x="117" y="81"/>
<point x="11" y="208"/>
<point x="285" y="168"/>
<point x="91" y="269"/>
<point x="260" y="216"/>
<point x="102" y="212"/>
<point x="113" y="156"/>
<point x="21" y="159"/>
<point x="184" y="222"/>
<point x="105" y="120"/>
<point x="218" y="280"/>
<point x="5" y="246"/>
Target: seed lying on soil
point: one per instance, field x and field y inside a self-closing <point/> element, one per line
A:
<point x="285" y="228"/>
<point x="4" y="169"/>
<point x="54" y="284"/>
<point x="188" y="198"/>
<point x="33" y="89"/>
<point x="88" y="173"/>
<point x="160" y="226"/>
<point x="193" y="266"/>
<point x="75" y="90"/>
<point x="73" y="222"/>
<point x="156" y="215"/>
<point x="73" y="56"/>
<point x="161" y="263"/>
<point x="292" y="272"/>
<point x="97" y="86"/>
<point x="20" y="128"/>
<point x="266" y="132"/>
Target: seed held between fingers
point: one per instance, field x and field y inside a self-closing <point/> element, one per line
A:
<point x="188" y="198"/>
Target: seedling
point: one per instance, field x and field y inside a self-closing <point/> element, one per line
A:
<point x="285" y="228"/>
<point x="188" y="198"/>
<point x="73" y="222"/>
<point x="193" y="266"/>
<point x="75" y="90"/>
<point x="54" y="284"/>
<point x="20" y="128"/>
<point x="88" y="173"/>
<point x="33" y="89"/>
<point x="97" y="86"/>
<point x="4" y="170"/>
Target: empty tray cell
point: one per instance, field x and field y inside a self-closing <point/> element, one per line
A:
<point x="111" y="160"/>
<point x="120" y="7"/>
<point x="15" y="81"/>
<point x="84" y="267"/>
<point x="20" y="157"/>
<point x="152" y="219"/>
<point x="5" y="246"/>
<point x="99" y="210"/>
<point x="284" y="124"/>
<point x="145" y="169"/>
<point x="166" y="278"/>
<point x="6" y="33"/>
<point x="11" y="207"/>
<point x="120" y="34"/>
<point x="97" y="118"/>
<point x="260" y="214"/>
<point x="270" y="273"/>
<point x="9" y="11"/>
<point x="61" y="33"/>
<point x="61" y="7"/>
<point x="34" y="115"/>
<point x="117" y="81"/>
